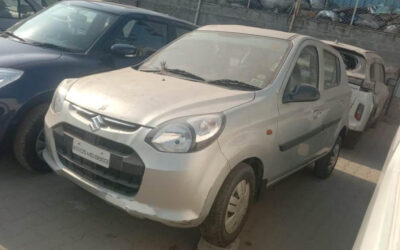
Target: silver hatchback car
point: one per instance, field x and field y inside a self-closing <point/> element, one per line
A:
<point x="189" y="137"/>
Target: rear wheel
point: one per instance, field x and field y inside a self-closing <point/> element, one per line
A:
<point x="230" y="208"/>
<point x="29" y="141"/>
<point x="325" y="166"/>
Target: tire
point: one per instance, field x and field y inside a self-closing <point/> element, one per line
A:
<point x="27" y="139"/>
<point x="325" y="166"/>
<point x="215" y="229"/>
<point x="372" y="120"/>
<point x="351" y="139"/>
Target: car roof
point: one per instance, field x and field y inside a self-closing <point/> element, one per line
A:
<point x="348" y="47"/>
<point x="366" y="53"/>
<point x="121" y="9"/>
<point x="250" y="31"/>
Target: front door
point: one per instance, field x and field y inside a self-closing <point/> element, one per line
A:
<point x="299" y="123"/>
<point x="334" y="95"/>
<point x="147" y="36"/>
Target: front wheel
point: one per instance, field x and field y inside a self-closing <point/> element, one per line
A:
<point x="230" y="208"/>
<point x="324" y="166"/>
<point x="29" y="141"/>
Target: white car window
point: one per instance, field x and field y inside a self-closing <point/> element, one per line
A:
<point x="331" y="70"/>
<point x="306" y="70"/>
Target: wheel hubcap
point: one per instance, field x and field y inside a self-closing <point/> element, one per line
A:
<point x="40" y="144"/>
<point x="334" y="156"/>
<point x="237" y="206"/>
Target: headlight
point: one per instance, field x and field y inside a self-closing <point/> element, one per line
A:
<point x="186" y="134"/>
<point x="60" y="94"/>
<point x="8" y="76"/>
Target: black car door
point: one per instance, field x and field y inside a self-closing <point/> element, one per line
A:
<point x="146" y="34"/>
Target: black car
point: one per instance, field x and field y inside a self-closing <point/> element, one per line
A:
<point x="68" y="40"/>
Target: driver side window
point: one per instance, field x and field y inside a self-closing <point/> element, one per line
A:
<point x="305" y="72"/>
<point x="146" y="36"/>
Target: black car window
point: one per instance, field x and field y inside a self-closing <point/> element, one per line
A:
<point x="146" y="36"/>
<point x="25" y="10"/>
<point x="65" y="26"/>
<point x="47" y="3"/>
<point x="181" y="31"/>
<point x="305" y="71"/>
<point x="9" y="9"/>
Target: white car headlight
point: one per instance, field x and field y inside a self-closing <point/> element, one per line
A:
<point x="8" y="76"/>
<point x="186" y="134"/>
<point x="60" y="94"/>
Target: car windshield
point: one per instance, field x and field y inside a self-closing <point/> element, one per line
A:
<point x="224" y="58"/>
<point x="64" y="26"/>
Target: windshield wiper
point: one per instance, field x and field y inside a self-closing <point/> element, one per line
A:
<point x="185" y="74"/>
<point x="234" y="83"/>
<point x="53" y="46"/>
<point x="178" y="72"/>
<point x="8" y="33"/>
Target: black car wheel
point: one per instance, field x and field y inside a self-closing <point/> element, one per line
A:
<point x="29" y="141"/>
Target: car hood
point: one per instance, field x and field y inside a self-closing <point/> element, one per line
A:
<point x="15" y="54"/>
<point x="150" y="99"/>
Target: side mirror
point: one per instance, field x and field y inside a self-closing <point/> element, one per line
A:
<point x="124" y="50"/>
<point x="302" y="93"/>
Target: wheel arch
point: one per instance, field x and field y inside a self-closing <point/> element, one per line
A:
<point x="258" y="167"/>
<point x="42" y="98"/>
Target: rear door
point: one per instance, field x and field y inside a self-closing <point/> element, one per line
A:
<point x="334" y="96"/>
<point x="299" y="123"/>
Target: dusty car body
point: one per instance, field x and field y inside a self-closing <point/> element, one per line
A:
<point x="366" y="74"/>
<point x="380" y="227"/>
<point x="191" y="137"/>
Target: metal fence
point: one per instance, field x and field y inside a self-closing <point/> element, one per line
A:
<point x="383" y="15"/>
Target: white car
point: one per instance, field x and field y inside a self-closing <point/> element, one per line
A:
<point x="366" y="74"/>
<point x="192" y="136"/>
<point x="380" y="229"/>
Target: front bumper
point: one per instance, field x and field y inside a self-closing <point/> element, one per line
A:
<point x="176" y="189"/>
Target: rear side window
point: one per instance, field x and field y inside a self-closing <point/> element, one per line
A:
<point x="305" y="71"/>
<point x="331" y="70"/>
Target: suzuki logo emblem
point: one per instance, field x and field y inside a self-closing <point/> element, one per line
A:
<point x="97" y="123"/>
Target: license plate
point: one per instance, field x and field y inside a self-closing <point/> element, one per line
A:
<point x="91" y="153"/>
